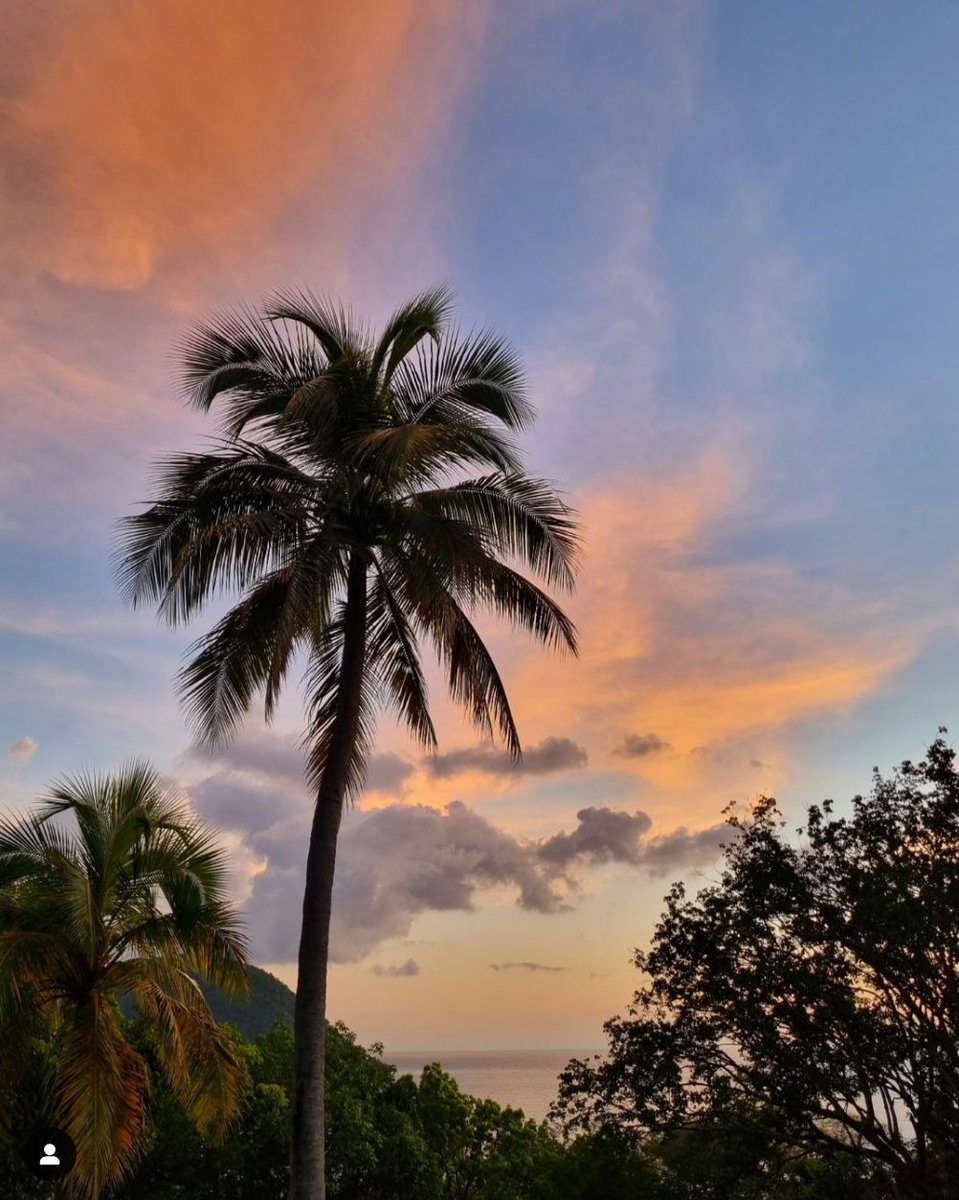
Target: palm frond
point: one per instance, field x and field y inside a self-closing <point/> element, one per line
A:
<point x="322" y="686"/>
<point x="526" y="606"/>
<point x="400" y="457"/>
<point x="101" y="1088"/>
<point x="393" y="656"/>
<point x="197" y="1056"/>
<point x="518" y="516"/>
<point x="424" y="316"/>
<point x="464" y="376"/>
<point x="472" y="675"/>
<point x="225" y="518"/>
<point x="241" y="352"/>
<point x="237" y="658"/>
<point x="333" y="325"/>
<point x="29" y="846"/>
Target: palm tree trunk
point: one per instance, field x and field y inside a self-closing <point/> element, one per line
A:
<point x="308" y="1181"/>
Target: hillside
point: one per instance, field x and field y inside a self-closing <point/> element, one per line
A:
<point x="269" y="1001"/>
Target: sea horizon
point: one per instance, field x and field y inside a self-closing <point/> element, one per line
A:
<point x="527" y="1078"/>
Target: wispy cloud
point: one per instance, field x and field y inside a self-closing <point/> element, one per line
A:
<point x="405" y="970"/>
<point x="23" y="750"/>
<point x="550" y="755"/>
<point x="210" y="185"/>
<point x="216" y="135"/>
<point x="532" y="967"/>
<point x="708" y="650"/>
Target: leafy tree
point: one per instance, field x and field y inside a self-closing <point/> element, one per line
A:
<point x="483" y="1150"/>
<point x="818" y="983"/>
<point x="252" y="1161"/>
<point x="388" y="1137"/>
<point x="110" y="887"/>
<point x="737" y="1155"/>
<point x="601" y="1165"/>
<point x="343" y="506"/>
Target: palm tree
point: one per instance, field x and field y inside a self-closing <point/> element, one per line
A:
<point x="108" y="889"/>
<point x="366" y="495"/>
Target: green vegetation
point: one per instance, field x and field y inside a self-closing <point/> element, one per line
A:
<point x="795" y="1040"/>
<point x="796" y="1035"/>
<point x="391" y="1137"/>
<point x="268" y="1003"/>
<point x="110" y="888"/>
<point x="368" y="495"/>
<point x="809" y="1000"/>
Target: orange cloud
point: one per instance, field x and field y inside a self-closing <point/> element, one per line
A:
<point x="709" y="664"/>
<point x="720" y="659"/>
<point x="141" y="132"/>
<point x="179" y="156"/>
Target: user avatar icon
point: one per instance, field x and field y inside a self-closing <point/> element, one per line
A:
<point x="49" y="1153"/>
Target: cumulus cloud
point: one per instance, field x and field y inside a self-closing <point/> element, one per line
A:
<point x="22" y="751"/>
<point x="400" y="861"/>
<point x="268" y="755"/>
<point x="397" y="971"/>
<point x="388" y="772"/>
<point x="234" y="803"/>
<point x="250" y="780"/>
<point x="638" y="745"/>
<point x="523" y="966"/>
<point x="602" y="835"/>
<point x="551" y="755"/>
<point x="683" y="849"/>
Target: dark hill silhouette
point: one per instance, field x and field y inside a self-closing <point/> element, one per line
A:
<point x="270" y="1001"/>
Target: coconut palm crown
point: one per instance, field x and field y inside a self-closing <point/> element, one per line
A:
<point x="366" y="496"/>
<point x="109" y="888"/>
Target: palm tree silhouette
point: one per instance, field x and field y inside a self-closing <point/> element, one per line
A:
<point x="342" y="504"/>
<point x="110" y="888"/>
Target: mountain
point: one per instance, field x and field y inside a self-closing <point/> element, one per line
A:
<point x="269" y="1001"/>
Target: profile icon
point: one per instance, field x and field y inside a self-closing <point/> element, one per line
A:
<point x="49" y="1153"/>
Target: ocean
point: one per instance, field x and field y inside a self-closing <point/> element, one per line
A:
<point x="525" y="1079"/>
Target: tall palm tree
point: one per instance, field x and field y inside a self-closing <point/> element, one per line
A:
<point x="110" y="888"/>
<point x="366" y="495"/>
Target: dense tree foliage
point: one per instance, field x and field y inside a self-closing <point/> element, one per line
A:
<point x="815" y="984"/>
<point x="391" y="1137"/>
<point x="111" y="888"/>
<point x="388" y="1137"/>
<point x="795" y="1040"/>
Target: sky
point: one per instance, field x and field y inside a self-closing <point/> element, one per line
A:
<point x="723" y="238"/>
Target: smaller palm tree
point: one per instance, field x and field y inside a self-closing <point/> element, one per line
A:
<point x="111" y="889"/>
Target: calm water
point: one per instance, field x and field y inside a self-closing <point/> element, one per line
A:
<point x="524" y="1079"/>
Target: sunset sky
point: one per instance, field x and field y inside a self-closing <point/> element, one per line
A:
<point x="723" y="237"/>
